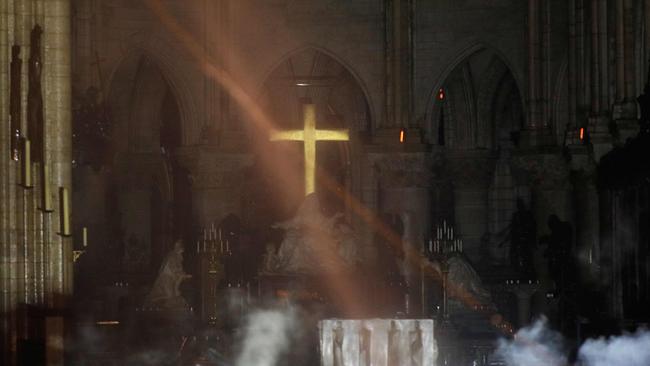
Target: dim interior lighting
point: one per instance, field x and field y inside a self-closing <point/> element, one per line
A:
<point x="402" y="134"/>
<point x="582" y="133"/>
<point x="108" y="322"/>
<point x="441" y="94"/>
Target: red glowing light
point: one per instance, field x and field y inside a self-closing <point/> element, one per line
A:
<point x="401" y="135"/>
<point x="582" y="133"/>
<point x="441" y="94"/>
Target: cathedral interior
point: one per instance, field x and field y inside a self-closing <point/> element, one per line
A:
<point x="325" y="182"/>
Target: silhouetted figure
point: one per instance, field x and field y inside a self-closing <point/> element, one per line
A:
<point x="559" y="252"/>
<point x="522" y="239"/>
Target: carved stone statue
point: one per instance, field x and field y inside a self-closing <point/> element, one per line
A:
<point x="463" y="280"/>
<point x="337" y="335"/>
<point x="35" y="96"/>
<point x="165" y="292"/>
<point x="415" y="338"/>
<point x="312" y="242"/>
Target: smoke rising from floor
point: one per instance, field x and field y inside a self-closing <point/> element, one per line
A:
<point x="537" y="344"/>
<point x="267" y="336"/>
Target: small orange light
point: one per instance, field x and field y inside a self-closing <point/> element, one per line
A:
<point x="441" y="94"/>
<point x="582" y="133"/>
<point x="401" y="135"/>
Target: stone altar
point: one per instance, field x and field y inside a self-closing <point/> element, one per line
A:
<point x="377" y="342"/>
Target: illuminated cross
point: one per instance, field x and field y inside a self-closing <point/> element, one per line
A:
<point x="309" y="135"/>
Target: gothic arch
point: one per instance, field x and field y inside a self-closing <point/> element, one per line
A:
<point x="312" y="47"/>
<point x="455" y="58"/>
<point x="162" y="55"/>
<point x="472" y="85"/>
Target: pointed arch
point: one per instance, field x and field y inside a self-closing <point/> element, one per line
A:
<point x="454" y="59"/>
<point x="316" y="48"/>
<point x="484" y="71"/>
<point x="162" y="55"/>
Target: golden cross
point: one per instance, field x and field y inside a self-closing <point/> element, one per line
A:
<point x="309" y="135"/>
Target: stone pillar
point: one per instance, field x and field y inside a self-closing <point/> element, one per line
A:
<point x="534" y="117"/>
<point x="573" y="63"/>
<point x="399" y="55"/>
<point x="403" y="173"/>
<point x="600" y="136"/>
<point x="36" y="263"/>
<point x="58" y="133"/>
<point x="625" y="108"/>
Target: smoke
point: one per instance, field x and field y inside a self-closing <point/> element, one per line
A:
<point x="625" y="350"/>
<point x="536" y="345"/>
<point x="539" y="345"/>
<point x="267" y="335"/>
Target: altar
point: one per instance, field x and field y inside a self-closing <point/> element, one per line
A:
<point x="377" y="342"/>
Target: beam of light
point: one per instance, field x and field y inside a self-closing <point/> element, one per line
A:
<point x="261" y="123"/>
<point x="413" y="257"/>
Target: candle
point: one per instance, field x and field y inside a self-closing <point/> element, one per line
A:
<point x="219" y="234"/>
<point x="221" y="244"/>
<point x="85" y="236"/>
<point x="430" y="245"/>
<point x="46" y="198"/>
<point x="205" y="235"/>
<point x="64" y="215"/>
<point x="452" y="233"/>
<point x="27" y="164"/>
<point x="461" y="244"/>
<point x="227" y="246"/>
<point x="198" y="247"/>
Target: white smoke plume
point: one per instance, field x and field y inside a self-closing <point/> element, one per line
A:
<point x="538" y="345"/>
<point x="266" y="337"/>
<point x="625" y="350"/>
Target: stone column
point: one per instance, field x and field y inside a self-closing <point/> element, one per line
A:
<point x="625" y="108"/>
<point x="534" y="117"/>
<point x="399" y="52"/>
<point x="5" y="170"/>
<point x="572" y="65"/>
<point x="58" y="135"/>
<point x="403" y="173"/>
